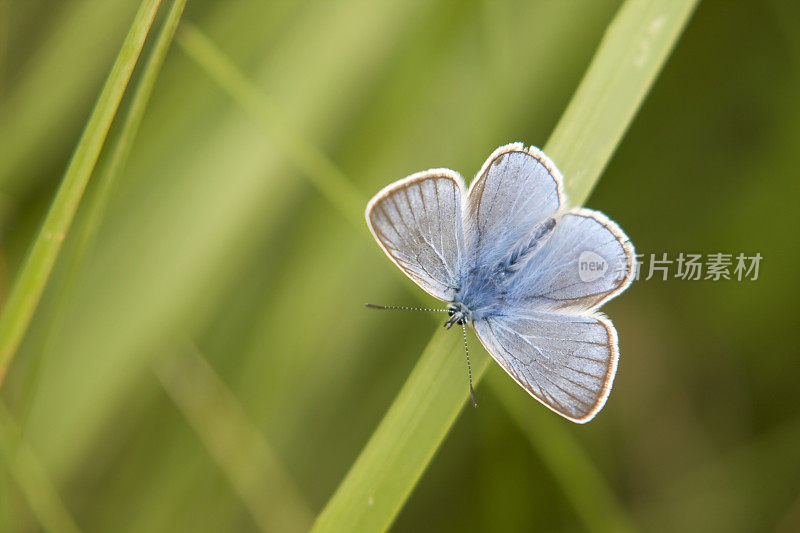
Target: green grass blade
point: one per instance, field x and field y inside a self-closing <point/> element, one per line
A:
<point x="606" y="101"/>
<point x="399" y="451"/>
<point x="237" y="446"/>
<point x="71" y="50"/>
<point x="633" y="51"/>
<point x="32" y="478"/>
<point x="583" y="485"/>
<point x="317" y="167"/>
<point x="106" y="182"/>
<point x="30" y="283"/>
<point x="97" y="203"/>
<point x="175" y="263"/>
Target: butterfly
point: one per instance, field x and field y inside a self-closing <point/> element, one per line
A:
<point x="511" y="259"/>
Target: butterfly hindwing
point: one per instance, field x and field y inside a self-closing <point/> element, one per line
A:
<point x="584" y="263"/>
<point x="417" y="221"/>
<point x="567" y="362"/>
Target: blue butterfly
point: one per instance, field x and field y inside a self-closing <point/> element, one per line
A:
<point x="528" y="273"/>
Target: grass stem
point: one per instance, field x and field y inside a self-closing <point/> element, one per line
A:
<point x="32" y="278"/>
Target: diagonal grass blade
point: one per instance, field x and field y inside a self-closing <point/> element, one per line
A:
<point x="32" y="278"/>
<point x="383" y="476"/>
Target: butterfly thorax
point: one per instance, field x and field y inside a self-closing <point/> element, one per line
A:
<point x="479" y="293"/>
<point x="487" y="287"/>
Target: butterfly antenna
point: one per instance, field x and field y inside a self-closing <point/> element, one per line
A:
<point x="403" y="308"/>
<point x="469" y="366"/>
<point x="463" y="330"/>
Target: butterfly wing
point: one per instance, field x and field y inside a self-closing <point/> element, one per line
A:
<point x="567" y="362"/>
<point x="558" y="278"/>
<point x="417" y="222"/>
<point x="515" y="189"/>
<point x="546" y="335"/>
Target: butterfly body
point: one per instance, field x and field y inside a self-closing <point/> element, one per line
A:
<point x="489" y="289"/>
<point x="482" y="293"/>
<point x="508" y="257"/>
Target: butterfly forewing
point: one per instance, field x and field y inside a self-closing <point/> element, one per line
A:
<point x="516" y="189"/>
<point x="417" y="222"/>
<point x="567" y="362"/>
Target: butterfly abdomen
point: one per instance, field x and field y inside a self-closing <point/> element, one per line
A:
<point x="526" y="247"/>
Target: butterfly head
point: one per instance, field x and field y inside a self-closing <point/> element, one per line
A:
<point x="459" y="314"/>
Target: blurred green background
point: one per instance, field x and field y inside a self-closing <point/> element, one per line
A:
<point x="217" y="248"/>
